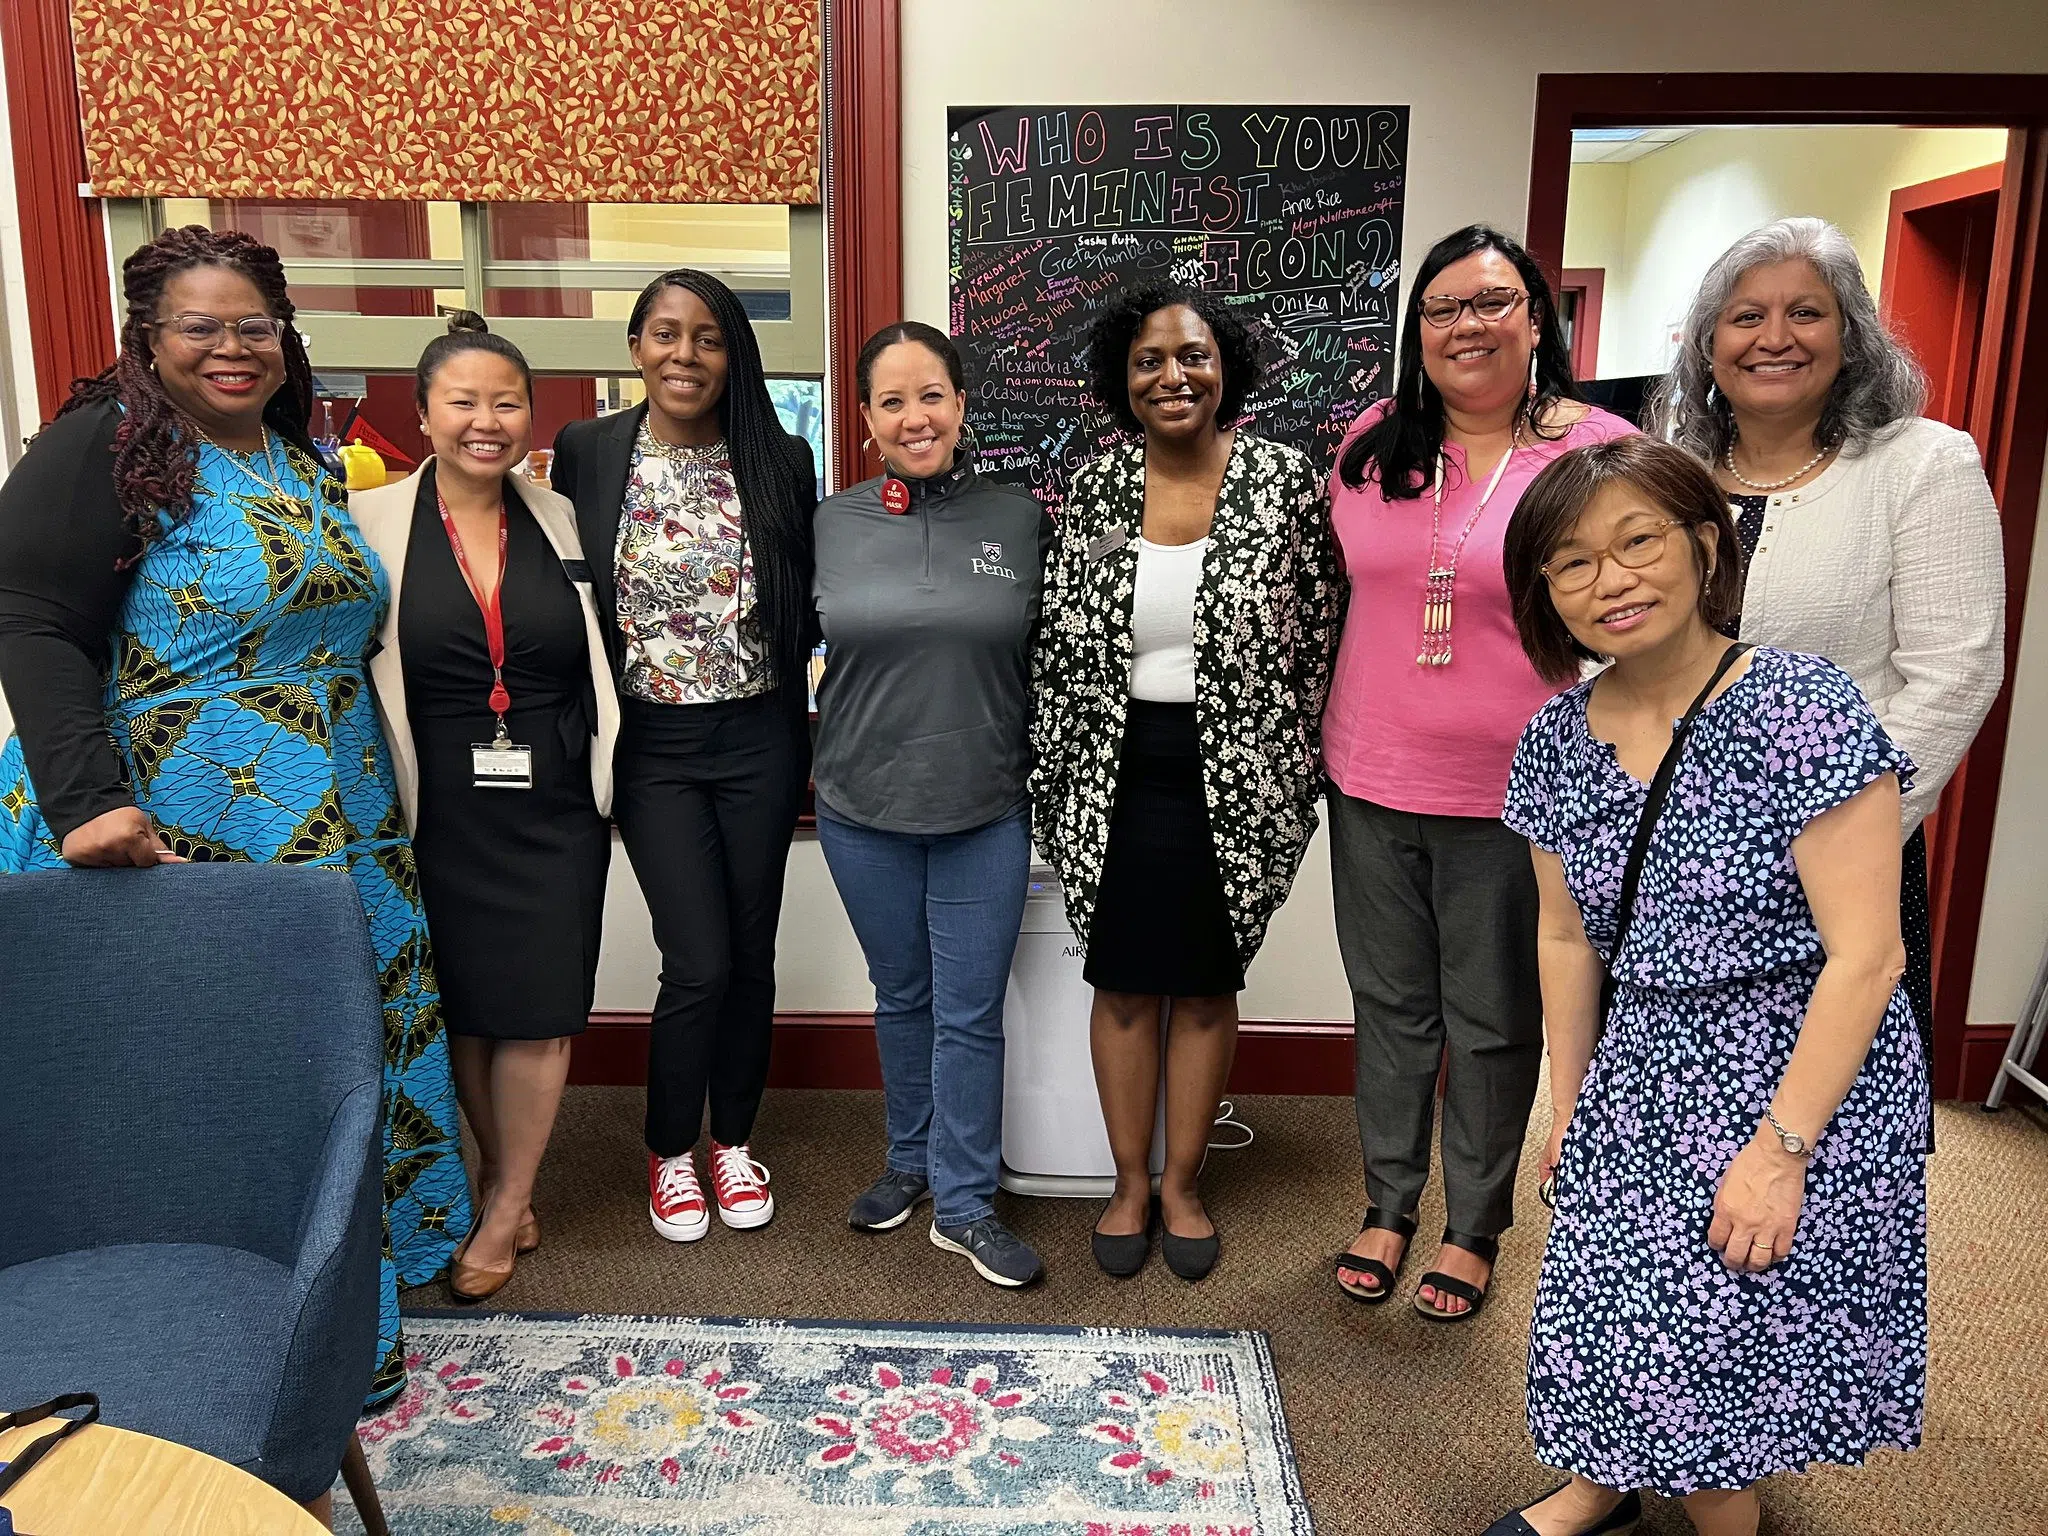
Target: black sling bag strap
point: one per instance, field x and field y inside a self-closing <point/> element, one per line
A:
<point x="1653" y="807"/>
<point x="11" y="1472"/>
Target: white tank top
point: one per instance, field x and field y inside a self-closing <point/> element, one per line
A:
<point x="1163" y="621"/>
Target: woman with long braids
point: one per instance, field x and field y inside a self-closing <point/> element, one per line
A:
<point x="695" y="513"/>
<point x="184" y="610"/>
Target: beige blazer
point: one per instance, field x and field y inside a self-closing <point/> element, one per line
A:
<point x="385" y="517"/>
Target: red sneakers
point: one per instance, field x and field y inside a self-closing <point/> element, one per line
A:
<point x="675" y="1200"/>
<point x="741" y="1185"/>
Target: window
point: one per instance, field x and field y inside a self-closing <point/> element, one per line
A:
<point x="372" y="281"/>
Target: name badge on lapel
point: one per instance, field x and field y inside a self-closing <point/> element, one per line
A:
<point x="1109" y="543"/>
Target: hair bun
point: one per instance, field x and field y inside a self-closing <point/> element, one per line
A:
<point x="461" y="320"/>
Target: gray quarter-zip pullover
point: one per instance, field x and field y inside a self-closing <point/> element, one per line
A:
<point x="928" y="618"/>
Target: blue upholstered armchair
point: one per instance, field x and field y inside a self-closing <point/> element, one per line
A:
<point x="190" y="1078"/>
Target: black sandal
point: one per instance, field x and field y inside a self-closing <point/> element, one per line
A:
<point x="1375" y="1218"/>
<point x="1487" y="1248"/>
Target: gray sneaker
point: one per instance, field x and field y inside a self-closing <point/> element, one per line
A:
<point x="1001" y="1257"/>
<point x="887" y="1203"/>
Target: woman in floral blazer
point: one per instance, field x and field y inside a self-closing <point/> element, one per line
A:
<point x="1190" y="623"/>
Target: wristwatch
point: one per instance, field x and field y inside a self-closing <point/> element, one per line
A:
<point x="1791" y="1141"/>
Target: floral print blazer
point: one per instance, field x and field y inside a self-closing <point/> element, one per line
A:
<point x="1267" y="617"/>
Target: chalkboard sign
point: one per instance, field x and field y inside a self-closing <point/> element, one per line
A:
<point x="1292" y="213"/>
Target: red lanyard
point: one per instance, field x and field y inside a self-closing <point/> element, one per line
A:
<point x="494" y="610"/>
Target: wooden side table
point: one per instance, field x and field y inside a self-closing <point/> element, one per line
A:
<point x="104" y="1481"/>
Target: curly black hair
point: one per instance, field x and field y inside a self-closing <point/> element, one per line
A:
<point x="1110" y="338"/>
<point x="156" y="456"/>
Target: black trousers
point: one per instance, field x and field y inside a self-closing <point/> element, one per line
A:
<point x="706" y="801"/>
<point x="1436" y="921"/>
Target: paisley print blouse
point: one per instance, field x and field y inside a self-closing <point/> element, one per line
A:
<point x="1267" y="614"/>
<point x="686" y="593"/>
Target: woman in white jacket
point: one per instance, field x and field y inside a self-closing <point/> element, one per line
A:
<point x="496" y="696"/>
<point x="1868" y="532"/>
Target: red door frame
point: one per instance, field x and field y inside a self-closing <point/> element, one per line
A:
<point x="1591" y="283"/>
<point x="1913" y="259"/>
<point x="64" y="242"/>
<point x="863" y="205"/>
<point x="2009" y="411"/>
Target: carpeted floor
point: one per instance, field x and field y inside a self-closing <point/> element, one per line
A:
<point x="1402" y="1428"/>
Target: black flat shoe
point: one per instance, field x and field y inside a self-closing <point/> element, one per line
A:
<point x="1624" y="1518"/>
<point x="1189" y="1257"/>
<point x="1488" y="1248"/>
<point x="1122" y="1255"/>
<point x="1375" y="1218"/>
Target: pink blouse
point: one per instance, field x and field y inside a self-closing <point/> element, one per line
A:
<point x="1434" y="740"/>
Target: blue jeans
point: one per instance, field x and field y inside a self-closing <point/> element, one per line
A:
<point x="937" y="917"/>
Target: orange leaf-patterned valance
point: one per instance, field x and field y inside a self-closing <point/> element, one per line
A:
<point x="557" y="101"/>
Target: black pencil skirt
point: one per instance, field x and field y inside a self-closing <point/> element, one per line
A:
<point x="1162" y="926"/>
<point x="512" y="880"/>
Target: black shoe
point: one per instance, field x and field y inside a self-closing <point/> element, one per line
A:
<point x="888" y="1202"/>
<point x="998" y="1255"/>
<point x="1488" y="1248"/>
<point x="1123" y="1255"/>
<point x="1622" y="1519"/>
<point x="1375" y="1218"/>
<point x="1189" y="1257"/>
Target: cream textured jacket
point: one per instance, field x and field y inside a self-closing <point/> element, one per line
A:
<point x="1891" y="566"/>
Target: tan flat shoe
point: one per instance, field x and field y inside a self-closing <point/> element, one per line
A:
<point x="529" y="1233"/>
<point x="469" y="1282"/>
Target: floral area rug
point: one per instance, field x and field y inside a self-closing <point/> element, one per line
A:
<point x="586" y="1426"/>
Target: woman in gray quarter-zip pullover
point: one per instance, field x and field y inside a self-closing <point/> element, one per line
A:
<point x="927" y="585"/>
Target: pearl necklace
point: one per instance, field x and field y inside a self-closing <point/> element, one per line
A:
<point x="1774" y="485"/>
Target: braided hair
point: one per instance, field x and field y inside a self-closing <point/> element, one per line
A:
<point x="776" y="500"/>
<point x="156" y="457"/>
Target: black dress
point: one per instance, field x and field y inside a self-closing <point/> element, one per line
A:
<point x="512" y="880"/>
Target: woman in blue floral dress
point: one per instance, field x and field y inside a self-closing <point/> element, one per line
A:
<point x="184" y="610"/>
<point x="1736" y="1278"/>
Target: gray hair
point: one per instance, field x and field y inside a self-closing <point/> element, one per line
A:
<point x="1880" y="385"/>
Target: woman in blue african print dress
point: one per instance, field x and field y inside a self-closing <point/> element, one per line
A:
<point x="189" y="683"/>
<point x="1736" y="1278"/>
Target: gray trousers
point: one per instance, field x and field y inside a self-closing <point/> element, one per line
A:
<point x="1436" y="920"/>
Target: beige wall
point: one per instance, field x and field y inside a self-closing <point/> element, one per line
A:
<point x="1469" y="159"/>
<point x="1657" y="223"/>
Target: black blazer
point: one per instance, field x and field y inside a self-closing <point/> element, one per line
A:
<point x="592" y="462"/>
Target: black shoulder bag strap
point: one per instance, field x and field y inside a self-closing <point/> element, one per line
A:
<point x="1653" y="807"/>
<point x="11" y="1472"/>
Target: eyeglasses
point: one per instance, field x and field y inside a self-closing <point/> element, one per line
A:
<point x="259" y="333"/>
<point x="1489" y="304"/>
<point x="1574" y="570"/>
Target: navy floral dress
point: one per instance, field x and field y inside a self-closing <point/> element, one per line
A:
<point x="1651" y="1365"/>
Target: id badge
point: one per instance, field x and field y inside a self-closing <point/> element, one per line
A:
<point x="500" y="764"/>
<point x="1109" y="543"/>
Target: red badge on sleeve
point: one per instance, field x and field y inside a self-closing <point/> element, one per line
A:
<point x="895" y="495"/>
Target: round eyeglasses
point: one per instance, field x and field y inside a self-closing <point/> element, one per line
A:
<point x="1574" y="570"/>
<point x="1489" y="304"/>
<point x="259" y="333"/>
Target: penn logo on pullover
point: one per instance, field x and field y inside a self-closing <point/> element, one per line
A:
<point x="991" y="563"/>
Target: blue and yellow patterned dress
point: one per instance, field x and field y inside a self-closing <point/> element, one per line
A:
<point x="239" y="705"/>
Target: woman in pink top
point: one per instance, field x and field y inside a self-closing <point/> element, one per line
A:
<point x="1436" y="899"/>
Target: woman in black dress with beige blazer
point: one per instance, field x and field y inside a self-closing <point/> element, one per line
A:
<point x="511" y="864"/>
